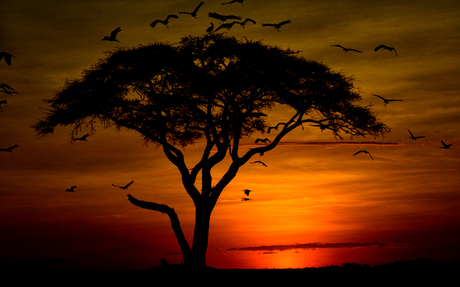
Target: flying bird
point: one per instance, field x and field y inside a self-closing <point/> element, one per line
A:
<point x="413" y="137"/>
<point x="258" y="161"/>
<point x="223" y="18"/>
<point x="164" y="22"/>
<point x="364" y="151"/>
<point x="210" y="28"/>
<point x="7" y="89"/>
<point x="243" y="24"/>
<point x="265" y="140"/>
<point x="71" y="189"/>
<point x="322" y="126"/>
<point x="124" y="187"/>
<point x="227" y="26"/>
<point x="445" y="146"/>
<point x="346" y="49"/>
<point x="83" y="138"/>
<point x="1" y="103"/>
<point x="7" y="57"/>
<point x="245" y="199"/>
<point x="247" y="191"/>
<point x="194" y="12"/>
<point x="10" y="149"/>
<point x="277" y="25"/>
<point x="386" y="101"/>
<point x="113" y="36"/>
<point x="391" y="49"/>
<point x="274" y="128"/>
<point x="234" y="1"/>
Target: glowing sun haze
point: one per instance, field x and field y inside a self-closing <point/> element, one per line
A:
<point x="315" y="204"/>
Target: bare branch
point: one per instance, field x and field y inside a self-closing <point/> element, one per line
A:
<point x="175" y="223"/>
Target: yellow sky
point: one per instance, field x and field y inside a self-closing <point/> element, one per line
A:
<point x="313" y="188"/>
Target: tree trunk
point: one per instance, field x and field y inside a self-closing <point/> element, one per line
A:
<point x="200" y="237"/>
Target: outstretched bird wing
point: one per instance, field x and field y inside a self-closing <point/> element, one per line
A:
<point x="171" y="16"/>
<point x="126" y="186"/>
<point x="385" y="47"/>
<point x="284" y="22"/>
<point x="444" y="145"/>
<point x="7" y="57"/>
<point x="249" y="20"/>
<point x="198" y="7"/>
<point x="10" y="148"/>
<point x="216" y="16"/>
<point x="364" y="151"/>
<point x="114" y="33"/>
<point x="154" y="23"/>
<point x="379" y="97"/>
<point x="258" y="161"/>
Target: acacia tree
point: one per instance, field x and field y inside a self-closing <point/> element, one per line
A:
<point x="213" y="89"/>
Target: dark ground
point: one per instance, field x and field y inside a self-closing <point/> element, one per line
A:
<point x="407" y="273"/>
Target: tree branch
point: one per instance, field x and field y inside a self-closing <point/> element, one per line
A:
<point x="175" y="224"/>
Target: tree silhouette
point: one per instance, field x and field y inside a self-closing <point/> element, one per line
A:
<point x="213" y="88"/>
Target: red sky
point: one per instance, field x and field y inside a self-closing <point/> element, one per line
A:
<point x="315" y="204"/>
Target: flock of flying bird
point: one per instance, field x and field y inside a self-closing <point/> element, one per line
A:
<point x="72" y="188"/>
<point x="4" y="88"/>
<point x="221" y="18"/>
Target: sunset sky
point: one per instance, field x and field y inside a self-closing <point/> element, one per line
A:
<point x="315" y="204"/>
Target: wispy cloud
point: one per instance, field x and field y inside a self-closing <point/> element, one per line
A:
<point x="271" y="248"/>
<point x="342" y="143"/>
<point x="328" y="143"/>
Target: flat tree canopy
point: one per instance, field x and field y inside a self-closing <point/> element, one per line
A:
<point x="214" y="89"/>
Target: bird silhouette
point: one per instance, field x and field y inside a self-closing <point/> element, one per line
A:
<point x="1" y="103"/>
<point x="113" y="36"/>
<point x="265" y="140"/>
<point x="7" y="89"/>
<point x="277" y="25"/>
<point x="258" y="161"/>
<point x="413" y="137"/>
<point x="274" y="128"/>
<point x="243" y="24"/>
<point x="364" y="151"/>
<point x="247" y="191"/>
<point x="194" y="12"/>
<point x="445" y="146"/>
<point x="71" y="189"/>
<point x="227" y="26"/>
<point x="346" y="49"/>
<point x="124" y="187"/>
<point x="391" y="49"/>
<point x="83" y="138"/>
<point x="322" y="126"/>
<point x="164" y="22"/>
<point x="386" y="101"/>
<point x="234" y="1"/>
<point x="210" y="28"/>
<point x="245" y="199"/>
<point x="9" y="149"/>
<point x="223" y="18"/>
<point x="7" y="57"/>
